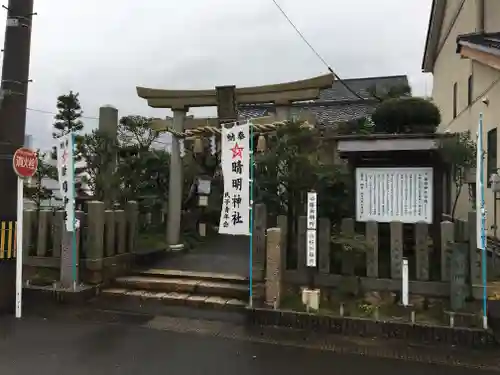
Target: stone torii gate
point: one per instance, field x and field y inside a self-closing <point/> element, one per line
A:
<point x="227" y="99"/>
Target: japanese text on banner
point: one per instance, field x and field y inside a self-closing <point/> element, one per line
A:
<point x="312" y="210"/>
<point x="235" y="162"/>
<point x="65" y="169"/>
<point x="311" y="248"/>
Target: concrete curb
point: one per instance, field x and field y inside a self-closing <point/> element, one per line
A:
<point x="349" y="326"/>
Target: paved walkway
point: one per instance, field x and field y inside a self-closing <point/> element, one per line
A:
<point x="220" y="254"/>
<point x="47" y="347"/>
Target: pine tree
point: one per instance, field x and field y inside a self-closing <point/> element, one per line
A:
<point x="68" y="117"/>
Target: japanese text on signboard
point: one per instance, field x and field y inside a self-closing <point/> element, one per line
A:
<point x="394" y="194"/>
<point x="65" y="168"/>
<point x="235" y="161"/>
<point x="22" y="161"/>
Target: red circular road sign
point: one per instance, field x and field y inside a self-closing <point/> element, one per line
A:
<point x="25" y="162"/>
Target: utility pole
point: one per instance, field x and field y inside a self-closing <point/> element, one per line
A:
<point x="13" y="101"/>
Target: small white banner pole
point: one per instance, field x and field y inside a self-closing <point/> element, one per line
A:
<point x="19" y="246"/>
<point x="404" y="287"/>
<point x="311" y="234"/>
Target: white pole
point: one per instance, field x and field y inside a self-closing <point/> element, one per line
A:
<point x="19" y="246"/>
<point x="404" y="287"/>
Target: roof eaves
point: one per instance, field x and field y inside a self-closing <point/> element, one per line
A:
<point x="397" y="76"/>
<point x="474" y="41"/>
<point x="433" y="30"/>
<point x="314" y="103"/>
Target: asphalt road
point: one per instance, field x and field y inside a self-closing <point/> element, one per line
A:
<point x="47" y="347"/>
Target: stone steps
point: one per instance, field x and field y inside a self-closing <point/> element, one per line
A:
<point x="158" y="289"/>
<point x="206" y="276"/>
<point x="183" y="285"/>
<point x="175" y="299"/>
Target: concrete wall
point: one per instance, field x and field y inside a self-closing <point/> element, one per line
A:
<point x="491" y="16"/>
<point x="450" y="68"/>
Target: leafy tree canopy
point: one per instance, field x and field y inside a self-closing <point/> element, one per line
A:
<point x="284" y="175"/>
<point x="135" y="131"/>
<point x="460" y="153"/>
<point x="98" y="150"/>
<point x="37" y="191"/>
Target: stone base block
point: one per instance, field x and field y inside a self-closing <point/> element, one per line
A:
<point x="311" y="298"/>
<point x="176" y="248"/>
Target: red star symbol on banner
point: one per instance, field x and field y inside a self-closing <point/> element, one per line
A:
<point x="237" y="151"/>
<point x="65" y="156"/>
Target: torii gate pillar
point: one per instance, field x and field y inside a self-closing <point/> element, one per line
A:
<point x="176" y="179"/>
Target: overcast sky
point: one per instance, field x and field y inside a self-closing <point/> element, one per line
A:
<point x="104" y="48"/>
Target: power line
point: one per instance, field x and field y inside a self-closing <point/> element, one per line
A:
<point x="54" y="113"/>
<point x="318" y="55"/>
<point x="304" y="39"/>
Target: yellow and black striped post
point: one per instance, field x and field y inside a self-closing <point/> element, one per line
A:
<point x="7" y="240"/>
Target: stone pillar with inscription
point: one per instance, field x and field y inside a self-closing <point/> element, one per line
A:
<point x="422" y="251"/>
<point x="108" y="125"/>
<point x="69" y="260"/>
<point x="273" y="268"/>
<point x="372" y="251"/>
<point x="259" y="242"/>
<point x="396" y="249"/>
<point x="448" y="240"/>
<point x="458" y="273"/>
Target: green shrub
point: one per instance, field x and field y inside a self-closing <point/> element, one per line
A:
<point x="406" y="115"/>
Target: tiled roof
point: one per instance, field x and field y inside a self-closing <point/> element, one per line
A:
<point x="488" y="41"/>
<point x="326" y="115"/>
<point x="246" y="112"/>
<point x="336" y="104"/>
<point x="362" y="86"/>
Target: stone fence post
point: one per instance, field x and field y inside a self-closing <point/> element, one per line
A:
<point x="447" y="241"/>
<point x="95" y="240"/>
<point x="132" y="214"/>
<point x="44" y="225"/>
<point x="475" y="258"/>
<point x="273" y="268"/>
<point x="259" y="242"/>
<point x="121" y="231"/>
<point x="396" y="249"/>
<point x="29" y="232"/>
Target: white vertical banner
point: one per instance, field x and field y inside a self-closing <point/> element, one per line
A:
<point x="311" y="235"/>
<point x="311" y="259"/>
<point x="312" y="210"/>
<point x="66" y="175"/>
<point x="235" y="162"/>
<point x="480" y="207"/>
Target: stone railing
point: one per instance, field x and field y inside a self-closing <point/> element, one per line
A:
<point x="450" y="267"/>
<point x="106" y="241"/>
